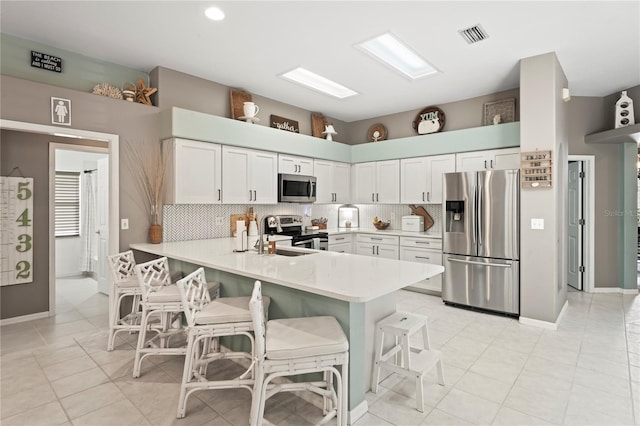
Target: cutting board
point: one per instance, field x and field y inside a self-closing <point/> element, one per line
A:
<point x="420" y="211"/>
<point x="237" y="98"/>
<point x="234" y="219"/>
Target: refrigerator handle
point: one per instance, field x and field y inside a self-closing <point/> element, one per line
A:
<point x="474" y="219"/>
<point x="479" y="216"/>
<point x="499" y="265"/>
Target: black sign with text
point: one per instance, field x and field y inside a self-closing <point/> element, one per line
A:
<point x="46" y="62"/>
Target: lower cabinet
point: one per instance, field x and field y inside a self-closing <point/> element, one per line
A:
<point x="423" y="250"/>
<point x="341" y="243"/>
<point x="385" y="246"/>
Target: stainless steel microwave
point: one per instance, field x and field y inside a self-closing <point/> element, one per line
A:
<point x="296" y="188"/>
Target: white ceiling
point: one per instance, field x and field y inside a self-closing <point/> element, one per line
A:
<point x="597" y="44"/>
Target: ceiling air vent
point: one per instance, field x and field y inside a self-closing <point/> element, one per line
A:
<point x="473" y="34"/>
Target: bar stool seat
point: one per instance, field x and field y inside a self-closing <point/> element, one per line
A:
<point x="402" y="358"/>
<point x="295" y="346"/>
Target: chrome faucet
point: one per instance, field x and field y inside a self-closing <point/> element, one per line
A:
<point x="271" y="221"/>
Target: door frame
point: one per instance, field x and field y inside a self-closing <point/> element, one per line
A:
<point x="588" y="242"/>
<point x="53" y="147"/>
<point x="113" y="142"/>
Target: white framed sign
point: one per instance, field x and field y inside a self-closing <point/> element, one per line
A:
<point x="16" y="230"/>
<point x="60" y="111"/>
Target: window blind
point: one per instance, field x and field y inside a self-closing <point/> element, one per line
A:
<point x="67" y="204"/>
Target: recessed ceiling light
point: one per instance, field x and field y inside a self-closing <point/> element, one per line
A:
<point x="391" y="51"/>
<point x="317" y="82"/>
<point x="214" y="13"/>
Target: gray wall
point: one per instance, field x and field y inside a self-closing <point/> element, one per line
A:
<point x="28" y="101"/>
<point x="186" y="91"/>
<point x="463" y="114"/>
<point x="30" y="152"/>
<point x="544" y="127"/>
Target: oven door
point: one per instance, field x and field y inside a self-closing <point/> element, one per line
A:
<point x="296" y="188"/>
<point x="313" y="243"/>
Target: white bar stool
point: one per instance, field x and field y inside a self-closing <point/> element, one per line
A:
<point x="124" y="284"/>
<point x="409" y="361"/>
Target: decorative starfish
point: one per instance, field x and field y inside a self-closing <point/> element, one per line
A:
<point x="143" y="93"/>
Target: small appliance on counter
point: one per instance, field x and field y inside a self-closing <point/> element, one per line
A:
<point x="348" y="216"/>
<point x="413" y="223"/>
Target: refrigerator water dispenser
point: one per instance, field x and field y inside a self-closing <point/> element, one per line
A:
<point x="454" y="220"/>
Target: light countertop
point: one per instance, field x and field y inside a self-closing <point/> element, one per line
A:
<point x="341" y="276"/>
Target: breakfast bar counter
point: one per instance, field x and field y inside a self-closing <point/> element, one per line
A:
<point x="357" y="290"/>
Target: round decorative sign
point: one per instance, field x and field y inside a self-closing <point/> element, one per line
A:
<point x="429" y="120"/>
<point x="376" y="133"/>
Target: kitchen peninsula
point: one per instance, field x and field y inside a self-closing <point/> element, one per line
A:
<point x="357" y="290"/>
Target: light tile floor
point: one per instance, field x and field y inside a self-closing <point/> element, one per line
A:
<point x="56" y="371"/>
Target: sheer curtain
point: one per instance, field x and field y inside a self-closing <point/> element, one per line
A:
<point x="88" y="225"/>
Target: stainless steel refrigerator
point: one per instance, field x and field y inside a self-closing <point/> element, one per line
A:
<point x="481" y="240"/>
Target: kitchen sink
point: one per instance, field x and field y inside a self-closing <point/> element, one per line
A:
<point x="285" y="252"/>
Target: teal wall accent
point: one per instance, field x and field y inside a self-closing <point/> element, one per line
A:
<point x="629" y="222"/>
<point x="291" y="303"/>
<point x="475" y="139"/>
<point x="78" y="72"/>
<point x="182" y="123"/>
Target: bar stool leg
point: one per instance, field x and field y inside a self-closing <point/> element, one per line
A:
<point x="375" y="377"/>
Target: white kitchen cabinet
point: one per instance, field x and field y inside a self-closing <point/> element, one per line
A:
<point x="421" y="178"/>
<point x="249" y="176"/>
<point x="295" y="165"/>
<point x="385" y="246"/>
<point x="341" y="243"/>
<point x="377" y="182"/>
<point x="333" y="181"/>
<point x="194" y="172"/>
<point x="423" y="250"/>
<point x="495" y="159"/>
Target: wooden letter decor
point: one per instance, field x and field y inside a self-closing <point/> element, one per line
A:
<point x="536" y="169"/>
<point x="16" y="230"/>
<point x="284" y="124"/>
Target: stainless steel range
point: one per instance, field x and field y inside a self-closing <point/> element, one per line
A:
<point x="292" y="225"/>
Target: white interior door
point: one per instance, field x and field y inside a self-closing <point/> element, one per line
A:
<point x="102" y="225"/>
<point x="576" y="226"/>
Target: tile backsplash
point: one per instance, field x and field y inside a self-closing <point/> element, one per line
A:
<point x="197" y="221"/>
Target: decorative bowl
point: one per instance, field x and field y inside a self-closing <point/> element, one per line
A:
<point x="380" y="225"/>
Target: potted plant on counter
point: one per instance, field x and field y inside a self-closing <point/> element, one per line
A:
<point x="147" y="164"/>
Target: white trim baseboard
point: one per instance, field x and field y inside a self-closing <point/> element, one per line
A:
<point x="615" y="290"/>
<point x="545" y="324"/>
<point x="24" y="318"/>
<point x="359" y="411"/>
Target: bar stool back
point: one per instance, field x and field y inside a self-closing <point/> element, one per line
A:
<point x="124" y="284"/>
<point x="161" y="299"/>
<point x="207" y="321"/>
<point x="294" y="346"/>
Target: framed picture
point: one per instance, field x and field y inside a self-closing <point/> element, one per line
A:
<point x="284" y="124"/>
<point x="60" y="111"/>
<point x="498" y="112"/>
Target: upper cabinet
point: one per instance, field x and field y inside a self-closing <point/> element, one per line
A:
<point x="377" y="182"/>
<point x="295" y="165"/>
<point x="421" y="178"/>
<point x="194" y="172"/>
<point x="249" y="176"/>
<point x="495" y="159"/>
<point x="333" y="181"/>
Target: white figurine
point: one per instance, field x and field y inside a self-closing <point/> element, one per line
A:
<point x="624" y="111"/>
<point x="329" y="131"/>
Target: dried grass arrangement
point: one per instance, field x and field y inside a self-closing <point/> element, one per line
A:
<point x="148" y="165"/>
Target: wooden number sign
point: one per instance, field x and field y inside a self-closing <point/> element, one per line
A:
<point x="16" y="230"/>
